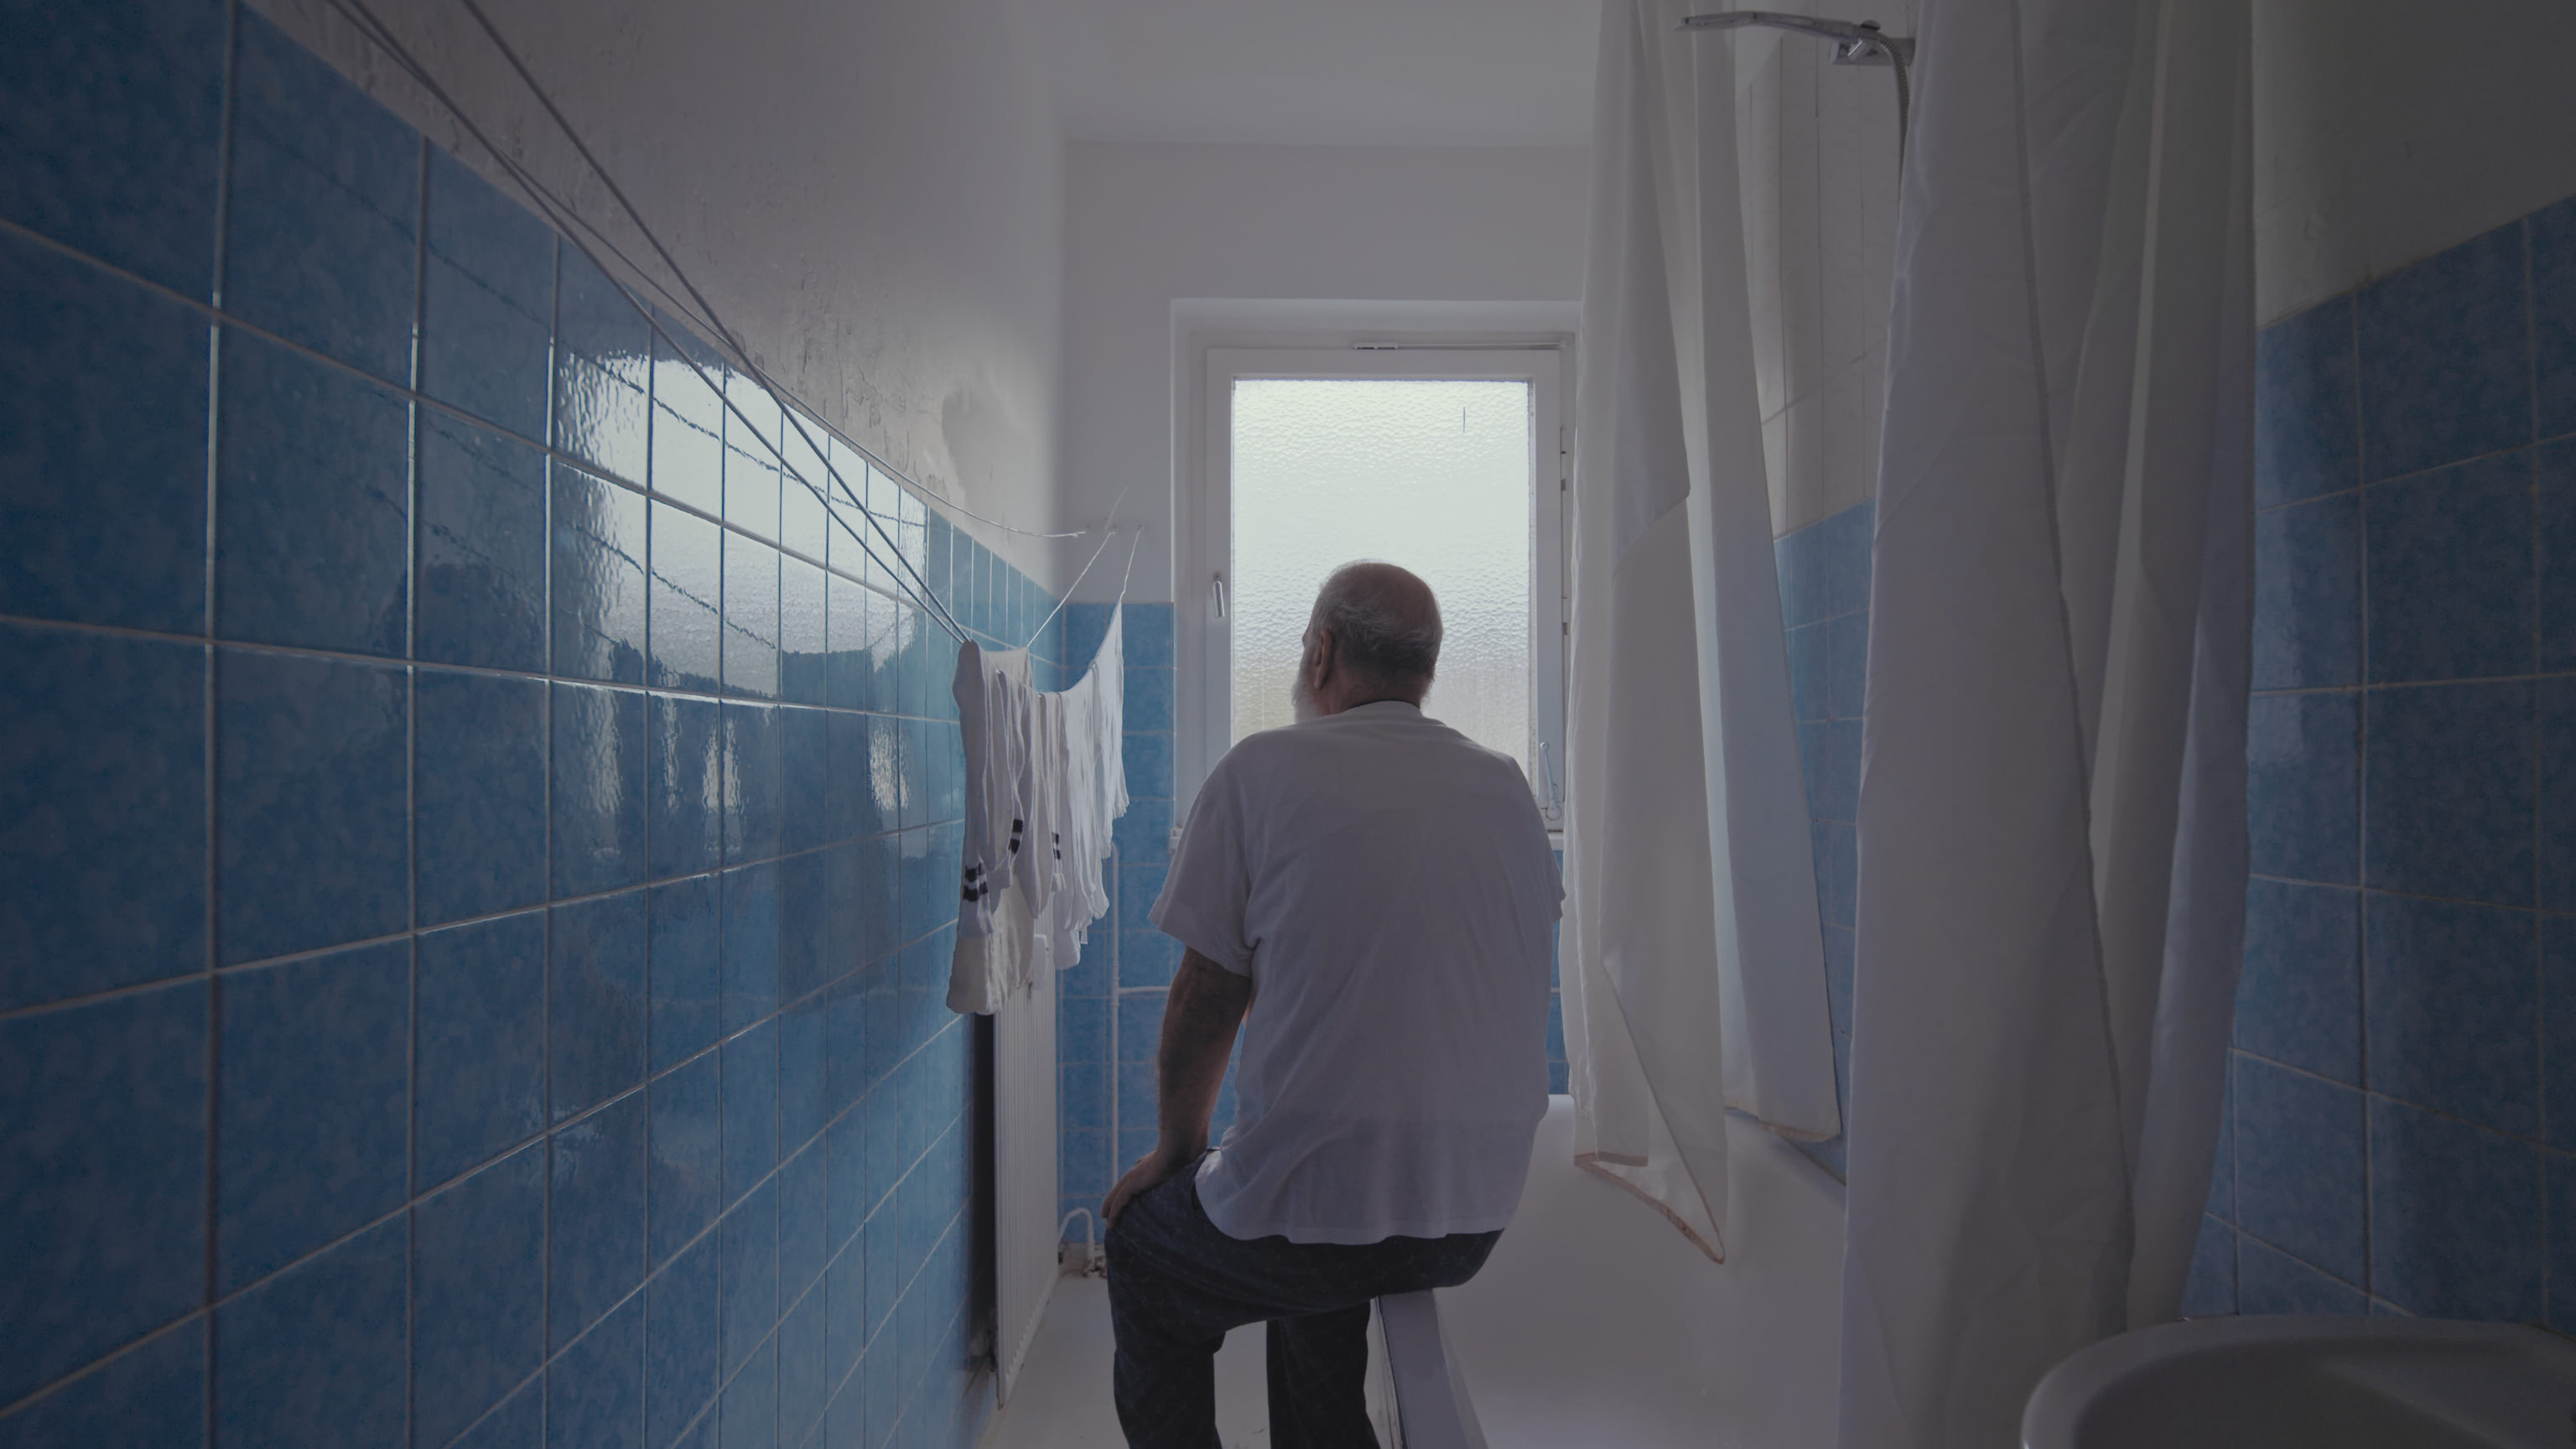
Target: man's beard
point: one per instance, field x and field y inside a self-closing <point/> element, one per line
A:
<point x="1301" y="698"/>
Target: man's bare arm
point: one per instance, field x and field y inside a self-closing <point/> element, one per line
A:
<point x="1201" y="1015"/>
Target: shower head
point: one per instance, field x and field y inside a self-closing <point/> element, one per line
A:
<point x="1855" y="43"/>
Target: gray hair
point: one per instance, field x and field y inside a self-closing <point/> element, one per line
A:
<point x="1384" y="621"/>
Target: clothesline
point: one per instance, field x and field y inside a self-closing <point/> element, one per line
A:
<point x="1046" y="780"/>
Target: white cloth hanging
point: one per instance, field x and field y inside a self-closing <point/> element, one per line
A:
<point x="1694" y="953"/>
<point x="1045" y="780"/>
<point x="2052" y="846"/>
<point x="996" y="931"/>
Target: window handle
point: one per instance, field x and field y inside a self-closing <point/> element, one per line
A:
<point x="1216" y="593"/>
<point x="1547" y="764"/>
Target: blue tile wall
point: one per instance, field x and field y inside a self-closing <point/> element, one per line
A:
<point x="1824" y="604"/>
<point x="444" y="999"/>
<point x="2403" y="1087"/>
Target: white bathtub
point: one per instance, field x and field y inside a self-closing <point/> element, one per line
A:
<point x="1596" y="1323"/>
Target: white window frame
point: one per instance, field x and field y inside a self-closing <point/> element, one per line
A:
<point x="1203" y="704"/>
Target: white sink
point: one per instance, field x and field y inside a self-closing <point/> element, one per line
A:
<point x="2292" y="1383"/>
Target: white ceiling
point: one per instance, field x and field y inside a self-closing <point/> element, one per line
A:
<point x="1324" y="72"/>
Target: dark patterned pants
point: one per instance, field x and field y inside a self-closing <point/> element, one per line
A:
<point x="1176" y="1284"/>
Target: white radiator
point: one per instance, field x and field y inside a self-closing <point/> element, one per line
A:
<point x="1024" y="1172"/>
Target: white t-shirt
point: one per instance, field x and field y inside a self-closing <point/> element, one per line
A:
<point x="1387" y="885"/>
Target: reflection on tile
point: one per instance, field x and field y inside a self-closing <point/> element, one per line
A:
<point x="2299" y="1165"/>
<point x="2303" y="756"/>
<point x="804" y="907"/>
<point x="753" y="427"/>
<point x="313" y="508"/>
<point x="599" y="789"/>
<point x="321" y="229"/>
<point x="750" y="1111"/>
<point x="2444" y="357"/>
<point x="688" y="425"/>
<point x="686" y="828"/>
<point x="480" y="1049"/>
<point x="312" y="838"/>
<point x="750" y="944"/>
<point x="749" y="1235"/>
<point x="804" y="483"/>
<point x="805" y="778"/>
<point x="599" y="553"/>
<point x="2455" y="1217"/>
<point x="595" y="993"/>
<point x="479" y="794"/>
<point x="104" y="480"/>
<point x="2450" y="791"/>
<point x="802" y="1182"/>
<point x="687" y="586"/>
<point x="478" y="1293"/>
<point x="750" y="617"/>
<point x="682" y="1338"/>
<point x="2305" y="438"/>
<point x="102" y="813"/>
<point x="103" y="1136"/>
<point x="487" y="302"/>
<point x="687" y="926"/>
<point x="2307" y="594"/>
<point x="2451" y="1007"/>
<point x="804" y="663"/>
<point x="2299" y="999"/>
<point x="2451" y="572"/>
<point x="315" y="1093"/>
<point x="316" y="1355"/>
<point x="114" y="114"/>
<point x="849" y="674"/>
<point x="602" y="371"/>
<point x="595" y="1212"/>
<point x="753" y="814"/>
<point x="482" y="570"/>
<point x="684" y="1181"/>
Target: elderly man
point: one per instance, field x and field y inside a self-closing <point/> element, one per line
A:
<point x="1377" y="891"/>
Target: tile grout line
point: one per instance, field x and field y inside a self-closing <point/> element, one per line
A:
<point x="413" y="423"/>
<point x="2532" y="641"/>
<point x="211" y="716"/>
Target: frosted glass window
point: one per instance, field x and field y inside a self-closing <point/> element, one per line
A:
<point x="1432" y="475"/>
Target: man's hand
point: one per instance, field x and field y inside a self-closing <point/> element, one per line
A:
<point x="1200" y="1014"/>
<point x="1150" y="1172"/>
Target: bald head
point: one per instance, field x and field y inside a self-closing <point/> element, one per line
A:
<point x="1381" y="626"/>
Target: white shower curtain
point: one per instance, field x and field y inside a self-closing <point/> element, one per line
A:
<point x="2052" y="855"/>
<point x="1693" y="962"/>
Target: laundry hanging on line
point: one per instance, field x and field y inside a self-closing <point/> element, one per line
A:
<point x="1045" y="779"/>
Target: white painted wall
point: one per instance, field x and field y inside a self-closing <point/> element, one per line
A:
<point x="871" y="192"/>
<point x="1155" y="230"/>
<point x="2385" y="131"/>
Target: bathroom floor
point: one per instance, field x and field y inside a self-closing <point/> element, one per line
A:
<point x="1594" y="1323"/>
